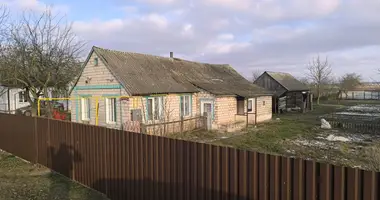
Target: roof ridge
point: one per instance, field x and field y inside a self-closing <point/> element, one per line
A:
<point x="159" y="57"/>
<point x="130" y="52"/>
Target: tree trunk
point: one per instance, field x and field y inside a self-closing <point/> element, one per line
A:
<point x="318" y="94"/>
<point x="49" y="109"/>
<point x="339" y="96"/>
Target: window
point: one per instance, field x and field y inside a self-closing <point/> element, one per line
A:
<point x="96" y="61"/>
<point x="250" y="105"/>
<point x="240" y="106"/>
<point x="86" y="109"/>
<point x="22" y="97"/>
<point x="154" y="108"/>
<point x="263" y="103"/>
<point x="111" y="110"/>
<point x="185" y="105"/>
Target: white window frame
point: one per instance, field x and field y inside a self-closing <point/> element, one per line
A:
<point x="160" y="108"/>
<point x="203" y="106"/>
<point x="88" y="108"/>
<point x="250" y="110"/>
<point x="22" y="94"/>
<point x="110" y="109"/>
<point x="182" y="106"/>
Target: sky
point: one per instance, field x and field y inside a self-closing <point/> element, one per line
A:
<point x="250" y="35"/>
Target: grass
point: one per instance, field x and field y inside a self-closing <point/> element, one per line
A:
<point x="349" y="102"/>
<point x="299" y="135"/>
<point x="22" y="180"/>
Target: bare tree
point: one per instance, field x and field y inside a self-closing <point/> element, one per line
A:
<point x="3" y="21"/>
<point x="304" y="80"/>
<point x="41" y="52"/>
<point x="319" y="73"/>
<point x="348" y="82"/>
<point x="256" y="74"/>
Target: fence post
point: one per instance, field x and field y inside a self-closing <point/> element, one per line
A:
<point x="181" y="124"/>
<point x="208" y="120"/>
<point x="311" y="101"/>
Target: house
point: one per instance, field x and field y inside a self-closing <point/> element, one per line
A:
<point x="11" y="99"/>
<point x="117" y="87"/>
<point x="289" y="93"/>
<point x="364" y="91"/>
<point x="14" y="98"/>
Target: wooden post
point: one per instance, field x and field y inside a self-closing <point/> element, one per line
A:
<point x="286" y="102"/>
<point x="181" y="124"/>
<point x="208" y="120"/>
<point x="246" y="124"/>
<point x="255" y="110"/>
<point x="311" y="101"/>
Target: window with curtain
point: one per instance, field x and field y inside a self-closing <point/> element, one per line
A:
<point x="85" y="109"/>
<point x="111" y="110"/>
<point x="154" y="108"/>
<point x="185" y="105"/>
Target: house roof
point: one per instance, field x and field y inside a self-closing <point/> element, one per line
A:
<point x="288" y="81"/>
<point x="147" y="74"/>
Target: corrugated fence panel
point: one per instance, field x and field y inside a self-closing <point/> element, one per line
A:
<point x="126" y="165"/>
<point x="42" y="140"/>
<point x="18" y="136"/>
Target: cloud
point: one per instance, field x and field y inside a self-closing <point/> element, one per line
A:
<point x="155" y="19"/>
<point x="225" y="36"/>
<point x="232" y="4"/>
<point x="33" y="5"/>
<point x="130" y="9"/>
<point x="158" y="1"/>
<point x="274" y="35"/>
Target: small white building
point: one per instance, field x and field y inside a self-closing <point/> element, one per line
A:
<point x="12" y="99"/>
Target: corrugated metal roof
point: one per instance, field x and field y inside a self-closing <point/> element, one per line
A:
<point x="288" y="81"/>
<point x="148" y="74"/>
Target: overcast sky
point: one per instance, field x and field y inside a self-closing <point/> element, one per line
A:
<point x="273" y="35"/>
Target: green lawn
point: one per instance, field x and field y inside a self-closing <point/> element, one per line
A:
<point x="299" y="135"/>
<point x="21" y="180"/>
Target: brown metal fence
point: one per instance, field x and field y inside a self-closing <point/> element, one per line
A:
<point x="126" y="165"/>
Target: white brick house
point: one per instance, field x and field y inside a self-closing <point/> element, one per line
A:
<point x="163" y="88"/>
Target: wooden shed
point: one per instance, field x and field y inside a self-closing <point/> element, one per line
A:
<point x="288" y="92"/>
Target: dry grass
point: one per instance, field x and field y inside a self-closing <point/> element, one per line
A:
<point x="299" y="135"/>
<point x="21" y="180"/>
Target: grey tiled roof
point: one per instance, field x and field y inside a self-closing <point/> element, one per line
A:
<point x="288" y="81"/>
<point x="148" y="74"/>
